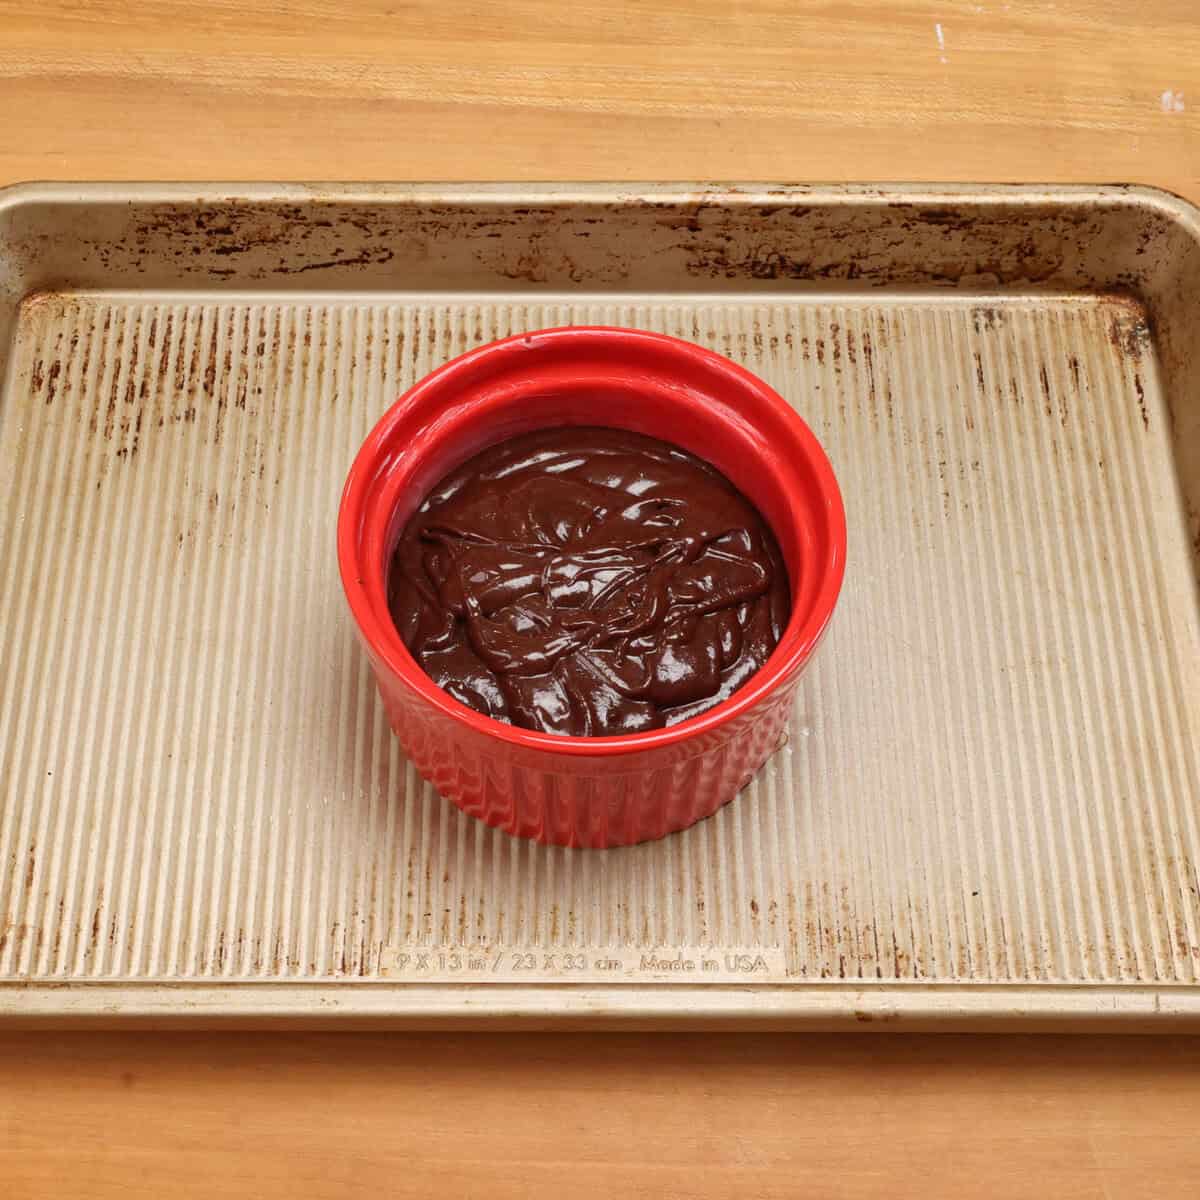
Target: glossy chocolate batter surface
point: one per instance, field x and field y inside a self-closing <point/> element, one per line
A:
<point x="588" y="581"/>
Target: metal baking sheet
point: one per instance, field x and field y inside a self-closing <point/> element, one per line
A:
<point x="987" y="811"/>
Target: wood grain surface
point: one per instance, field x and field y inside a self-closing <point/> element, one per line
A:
<point x="1071" y="90"/>
<point x="1078" y="90"/>
<point x="660" y="1118"/>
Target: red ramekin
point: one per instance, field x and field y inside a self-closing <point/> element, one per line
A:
<point x="606" y="791"/>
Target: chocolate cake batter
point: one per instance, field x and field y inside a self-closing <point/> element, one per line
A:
<point x="588" y="581"/>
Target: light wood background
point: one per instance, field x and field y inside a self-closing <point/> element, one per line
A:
<point x="1073" y="90"/>
<point x="585" y="1118"/>
<point x="813" y="90"/>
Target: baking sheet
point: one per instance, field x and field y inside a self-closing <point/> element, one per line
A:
<point x="986" y="811"/>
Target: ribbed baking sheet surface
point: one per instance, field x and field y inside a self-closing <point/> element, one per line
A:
<point x="991" y="774"/>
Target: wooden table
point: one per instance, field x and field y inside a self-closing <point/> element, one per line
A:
<point x="1078" y="90"/>
<point x="304" y="1117"/>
